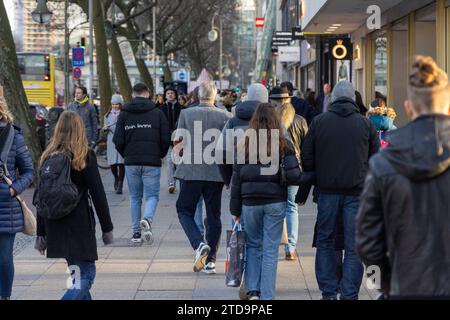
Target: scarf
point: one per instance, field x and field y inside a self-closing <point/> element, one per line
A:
<point x="83" y="101"/>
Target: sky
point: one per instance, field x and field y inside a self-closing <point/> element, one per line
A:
<point x="9" y="5"/>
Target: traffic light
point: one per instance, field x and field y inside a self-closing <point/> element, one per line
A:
<point x="83" y="42"/>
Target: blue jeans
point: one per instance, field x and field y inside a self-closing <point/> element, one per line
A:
<point x="199" y="217"/>
<point x="143" y="179"/>
<point x="6" y="264"/>
<point x="263" y="227"/>
<point x="330" y="206"/>
<point x="82" y="281"/>
<point x="292" y="219"/>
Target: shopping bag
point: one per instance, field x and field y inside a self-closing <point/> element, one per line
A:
<point x="234" y="265"/>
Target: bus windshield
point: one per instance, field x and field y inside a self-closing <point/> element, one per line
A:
<point x="34" y="67"/>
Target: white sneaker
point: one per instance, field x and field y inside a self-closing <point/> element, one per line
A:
<point x="146" y="229"/>
<point x="200" y="256"/>
<point x="210" y="268"/>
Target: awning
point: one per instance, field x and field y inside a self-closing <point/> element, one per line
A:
<point x="347" y="15"/>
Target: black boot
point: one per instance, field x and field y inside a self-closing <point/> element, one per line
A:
<point x="119" y="187"/>
<point x="116" y="184"/>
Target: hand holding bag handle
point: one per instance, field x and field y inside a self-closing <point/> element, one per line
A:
<point x="29" y="220"/>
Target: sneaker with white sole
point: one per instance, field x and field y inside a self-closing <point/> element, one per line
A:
<point x="200" y="256"/>
<point x="136" y="237"/>
<point x="146" y="229"/>
<point x="253" y="295"/>
<point x="210" y="268"/>
<point x="172" y="188"/>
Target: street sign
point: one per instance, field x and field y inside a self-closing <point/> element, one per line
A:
<point x="297" y="33"/>
<point x="280" y="43"/>
<point x="76" y="72"/>
<point x="282" y="39"/>
<point x="289" y="54"/>
<point x="260" y="22"/>
<point x="283" y="34"/>
<point x="78" y="57"/>
<point x="182" y="75"/>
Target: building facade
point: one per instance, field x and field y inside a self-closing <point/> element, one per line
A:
<point x="385" y="38"/>
<point x="34" y="37"/>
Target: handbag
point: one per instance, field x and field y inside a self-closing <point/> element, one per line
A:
<point x="29" y="220"/>
<point x="234" y="265"/>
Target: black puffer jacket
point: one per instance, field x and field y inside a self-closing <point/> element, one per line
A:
<point x="403" y="224"/>
<point x="142" y="134"/>
<point x="338" y="147"/>
<point x="250" y="187"/>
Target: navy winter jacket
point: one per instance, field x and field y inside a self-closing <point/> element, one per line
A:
<point x="11" y="217"/>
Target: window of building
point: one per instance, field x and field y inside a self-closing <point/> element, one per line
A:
<point x="380" y="64"/>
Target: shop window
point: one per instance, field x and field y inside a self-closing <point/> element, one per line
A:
<point x="381" y="65"/>
<point x="425" y="31"/>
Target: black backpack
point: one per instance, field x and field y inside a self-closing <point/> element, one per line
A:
<point x="56" y="195"/>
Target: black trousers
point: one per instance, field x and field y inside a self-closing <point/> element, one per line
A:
<point x="190" y="193"/>
<point x="118" y="171"/>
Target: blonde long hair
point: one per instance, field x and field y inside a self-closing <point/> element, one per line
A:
<point x="5" y="115"/>
<point x="69" y="137"/>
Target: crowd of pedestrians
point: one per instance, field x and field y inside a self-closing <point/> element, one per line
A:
<point x="382" y="204"/>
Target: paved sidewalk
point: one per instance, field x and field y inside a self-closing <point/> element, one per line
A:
<point x="164" y="269"/>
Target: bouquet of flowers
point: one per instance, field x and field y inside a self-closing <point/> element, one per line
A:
<point x="383" y="118"/>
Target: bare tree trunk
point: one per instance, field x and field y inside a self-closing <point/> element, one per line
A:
<point x="104" y="79"/>
<point x="120" y="69"/>
<point x="143" y="70"/>
<point x="167" y="72"/>
<point x="13" y="88"/>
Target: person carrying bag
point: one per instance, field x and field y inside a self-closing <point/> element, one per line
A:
<point x="16" y="174"/>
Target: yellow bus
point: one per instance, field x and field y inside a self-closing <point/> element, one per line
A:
<point x="38" y="77"/>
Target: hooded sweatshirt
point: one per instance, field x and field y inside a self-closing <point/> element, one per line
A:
<point x="244" y="112"/>
<point x="403" y="224"/>
<point x="338" y="147"/>
<point x="142" y="134"/>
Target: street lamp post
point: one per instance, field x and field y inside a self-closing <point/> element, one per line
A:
<point x="66" y="54"/>
<point x="212" y="36"/>
<point x="41" y="14"/>
<point x="91" y="46"/>
<point x="154" y="47"/>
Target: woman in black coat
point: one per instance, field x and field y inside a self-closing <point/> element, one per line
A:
<point x="260" y="196"/>
<point x="73" y="236"/>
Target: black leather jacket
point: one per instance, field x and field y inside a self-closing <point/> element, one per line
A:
<point x="403" y="225"/>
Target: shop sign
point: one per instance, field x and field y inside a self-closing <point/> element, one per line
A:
<point x="341" y="49"/>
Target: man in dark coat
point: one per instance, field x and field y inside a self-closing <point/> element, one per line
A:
<point x="403" y="225"/>
<point x="142" y="138"/>
<point x="338" y="147"/>
<point x="171" y="109"/>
